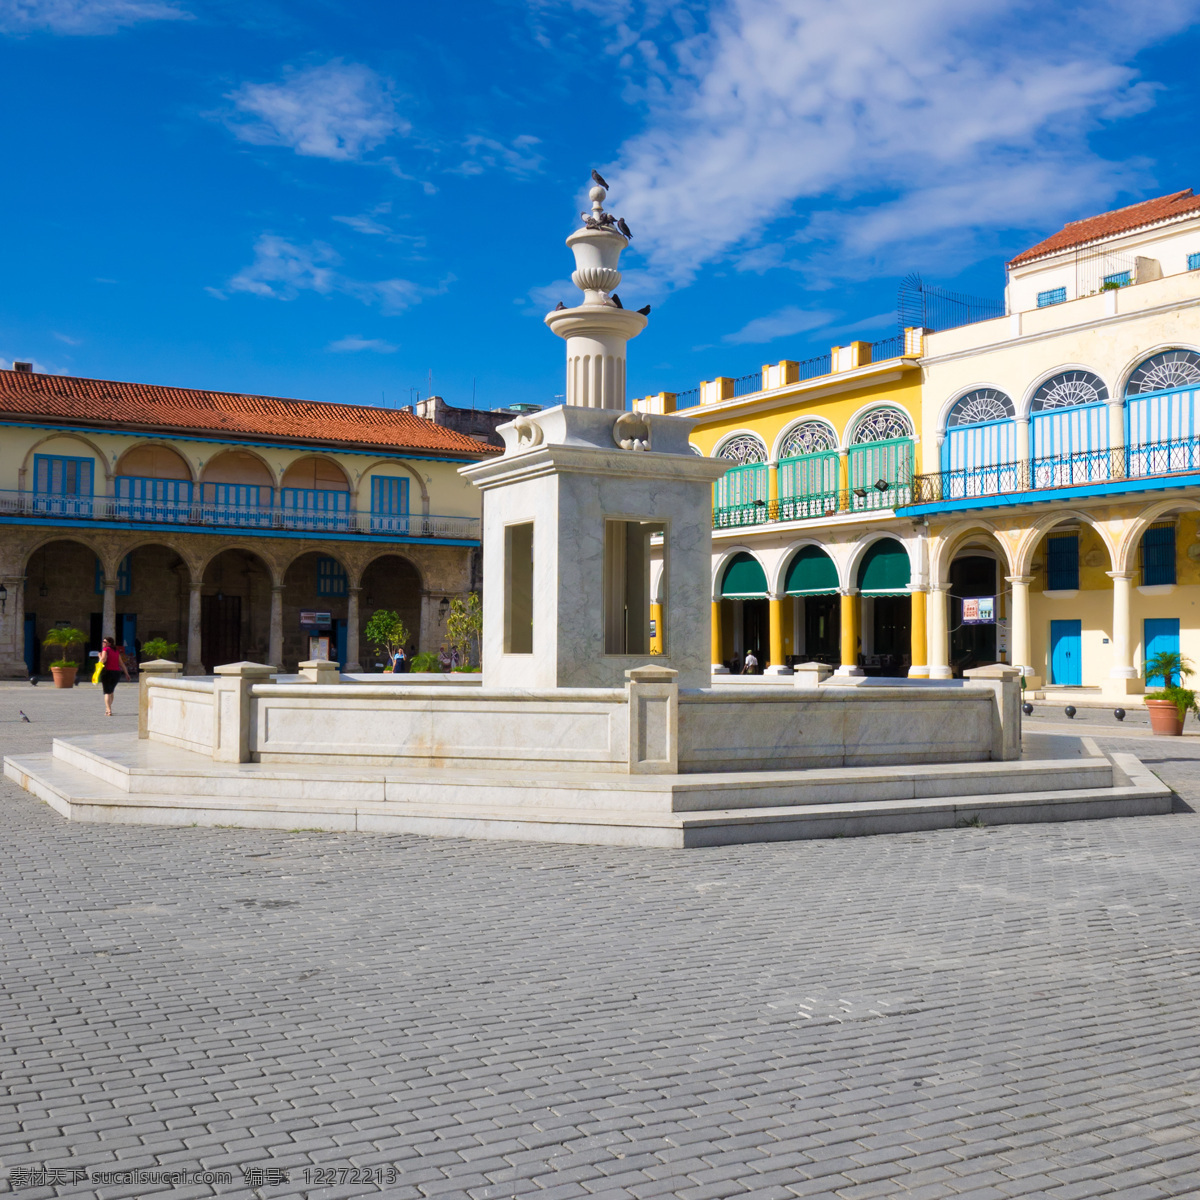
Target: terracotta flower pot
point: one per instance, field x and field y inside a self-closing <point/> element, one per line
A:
<point x="1164" y="717"/>
<point x="64" y="677"/>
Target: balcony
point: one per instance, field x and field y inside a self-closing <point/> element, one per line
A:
<point x="199" y="516"/>
<point x="812" y="507"/>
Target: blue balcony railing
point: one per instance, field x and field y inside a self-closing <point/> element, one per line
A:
<point x="42" y="507"/>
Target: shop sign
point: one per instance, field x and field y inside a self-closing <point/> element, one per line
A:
<point x="979" y="610"/>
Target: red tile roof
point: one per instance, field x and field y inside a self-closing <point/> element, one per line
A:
<point x="1120" y="220"/>
<point x="68" y="399"/>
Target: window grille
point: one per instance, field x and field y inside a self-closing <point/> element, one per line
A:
<point x="124" y="577"/>
<point x="1158" y="554"/>
<point x="1118" y="279"/>
<point x="1069" y="389"/>
<point x="1056" y="295"/>
<point x="1162" y="372"/>
<point x="60" y="475"/>
<point x="809" y="437"/>
<point x="1062" y="562"/>
<point x="1194" y="262"/>
<point x="981" y="406"/>
<point x="331" y="577"/>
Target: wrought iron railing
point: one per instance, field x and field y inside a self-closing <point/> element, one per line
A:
<point x="888" y="347"/>
<point x="1142" y="461"/>
<point x="813" y="368"/>
<point x="36" y="506"/>
<point x="688" y="399"/>
<point x="747" y="385"/>
<point x="809" y="507"/>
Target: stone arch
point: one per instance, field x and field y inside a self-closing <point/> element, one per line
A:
<point x="403" y="591"/>
<point x="952" y="539"/>
<point x="1125" y="559"/>
<point x="1031" y="538"/>
<point x="121" y="468"/>
<point x="151" y="538"/>
<point x="327" y="473"/>
<point x="61" y="535"/>
<point x="865" y="542"/>
<point x="23" y="475"/>
<point x="778" y="578"/>
<point x="412" y="562"/>
<point x="363" y="502"/>
<point x="722" y="560"/>
<point x="1145" y="356"/>
<point x="248" y="547"/>
<point x="346" y="561"/>
<point x="794" y="426"/>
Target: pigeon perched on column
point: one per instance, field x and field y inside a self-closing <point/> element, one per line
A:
<point x="616" y="300"/>
<point x="624" y="228"/>
<point x="598" y="178"/>
<point x="559" y="306"/>
<point x="645" y="311"/>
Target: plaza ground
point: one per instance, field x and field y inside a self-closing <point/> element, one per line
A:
<point x="983" y="1012"/>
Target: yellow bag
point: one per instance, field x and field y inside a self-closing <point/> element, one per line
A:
<point x="96" y="672"/>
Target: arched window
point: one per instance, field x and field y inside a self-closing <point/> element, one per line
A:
<point x="1162" y="372"/>
<point x="740" y="496"/>
<point x="236" y="486"/>
<point x="153" y="483"/>
<point x="881" y="460"/>
<point x="808" y="472"/>
<point x="1163" y="402"/>
<point x="979" y="454"/>
<point x="1069" y="430"/>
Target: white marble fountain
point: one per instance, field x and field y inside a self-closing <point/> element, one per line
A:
<point x="579" y="733"/>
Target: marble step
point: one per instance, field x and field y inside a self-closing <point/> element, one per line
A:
<point x="144" y="767"/>
<point x="79" y="795"/>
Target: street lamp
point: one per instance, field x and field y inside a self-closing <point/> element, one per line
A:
<point x="443" y="609"/>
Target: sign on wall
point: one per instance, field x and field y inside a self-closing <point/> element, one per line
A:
<point x="979" y="610"/>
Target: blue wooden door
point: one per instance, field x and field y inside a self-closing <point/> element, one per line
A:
<point x="1161" y="635"/>
<point x="128" y="632"/>
<point x="30" y="643"/>
<point x="1066" y="665"/>
<point x="339" y="633"/>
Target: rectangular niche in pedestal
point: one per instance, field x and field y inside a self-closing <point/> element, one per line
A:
<point x="518" y="588"/>
<point x="627" y="591"/>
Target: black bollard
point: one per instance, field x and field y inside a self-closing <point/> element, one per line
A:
<point x="1070" y="711"/>
<point x="1119" y="713"/>
<point x="1027" y="709"/>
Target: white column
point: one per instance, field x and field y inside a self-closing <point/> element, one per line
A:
<point x="108" y="617"/>
<point x="351" y="648"/>
<point x="275" y="632"/>
<point x="195" y="665"/>
<point x="1025" y="477"/>
<point x="1116" y="438"/>
<point x="1019" y="651"/>
<point x="939" y="636"/>
<point x="1122" y="640"/>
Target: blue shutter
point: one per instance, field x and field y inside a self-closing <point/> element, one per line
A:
<point x="331" y="577"/>
<point x="1158" y="555"/>
<point x="1062" y="562"/>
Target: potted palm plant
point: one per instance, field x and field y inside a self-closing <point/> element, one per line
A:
<point x="1172" y="702"/>
<point x="63" y="669"/>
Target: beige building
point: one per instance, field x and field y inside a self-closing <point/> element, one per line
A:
<point x="239" y="527"/>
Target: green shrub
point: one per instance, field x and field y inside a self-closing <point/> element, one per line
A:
<point x="66" y="638"/>
<point x="159" y="648"/>
<point x="425" y="663"/>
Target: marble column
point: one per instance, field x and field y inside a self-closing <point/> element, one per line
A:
<point x="12" y="628"/>
<point x="1019" y="651"/>
<point x="939" y="635"/>
<point x="350" y="657"/>
<point x="775" y="635"/>
<point x="850" y="634"/>
<point x="1122" y="671"/>
<point x="919" y="655"/>
<point x="195" y="664"/>
<point x="718" y="649"/>
<point x="275" y="630"/>
<point x="108" y="616"/>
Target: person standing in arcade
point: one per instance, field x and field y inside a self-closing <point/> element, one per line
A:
<point x="111" y="666"/>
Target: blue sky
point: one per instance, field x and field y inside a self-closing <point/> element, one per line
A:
<point x="331" y="200"/>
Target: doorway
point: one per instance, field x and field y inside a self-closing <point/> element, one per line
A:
<point x="754" y="630"/>
<point x="823" y="630"/>
<point x="971" y="576"/>
<point x="220" y="630"/>
<point x="1161" y="636"/>
<point x="1066" y="664"/>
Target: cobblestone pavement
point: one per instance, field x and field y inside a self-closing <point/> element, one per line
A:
<point x="973" y="1013"/>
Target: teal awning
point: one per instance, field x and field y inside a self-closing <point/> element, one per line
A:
<point x="884" y="570"/>
<point x="812" y="573"/>
<point x="744" y="579"/>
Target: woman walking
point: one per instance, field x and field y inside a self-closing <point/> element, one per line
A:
<point x="111" y="666"/>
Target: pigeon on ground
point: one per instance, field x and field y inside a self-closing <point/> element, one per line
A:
<point x="25" y="718"/>
<point x="645" y="311"/>
<point x="616" y="300"/>
<point x="559" y="306"/>
<point x="598" y="178"/>
<point x="624" y="228"/>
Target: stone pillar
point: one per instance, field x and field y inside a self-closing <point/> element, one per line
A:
<point x="850" y="634"/>
<point x="108" y="618"/>
<point x="275" y="634"/>
<point x="653" y="695"/>
<point x="1116" y="438"/>
<point x="1123" y="674"/>
<point x="919" y="667"/>
<point x="1019" y="650"/>
<point x="148" y="673"/>
<point x="350" y="655"/>
<point x="1024" y="471"/>
<point x="320" y="671"/>
<point x="12" y="629"/>
<point x="195" y="663"/>
<point x="1006" y="726"/>
<point x="718" y="649"/>
<point x="775" y="636"/>
<point x="231" y="708"/>
<point x="939" y="636"/>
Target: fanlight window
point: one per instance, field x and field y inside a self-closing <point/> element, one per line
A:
<point x="882" y="425"/>
<point x="980" y="406"/>
<point x="744" y="450"/>
<point x="1171" y="369"/>
<point x="809" y="438"/>
<point x="1069" y="390"/>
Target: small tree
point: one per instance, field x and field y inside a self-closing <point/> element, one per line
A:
<point x="66" y="638"/>
<point x="159" y="648"/>
<point x="1168" y="664"/>
<point x="385" y="631"/>
<point x="464" y="626"/>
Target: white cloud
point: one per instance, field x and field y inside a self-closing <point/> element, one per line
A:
<point x="282" y="270"/>
<point x="83" y="16"/>
<point x="365" y="224"/>
<point x="339" y="111"/>
<point x="866" y="125"/>
<point x="786" y="322"/>
<point x="352" y="343"/>
<point x="518" y="158"/>
<point x="65" y="338"/>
